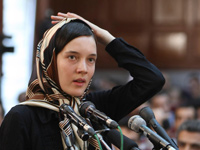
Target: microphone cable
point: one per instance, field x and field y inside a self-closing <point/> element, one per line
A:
<point x="99" y="143"/>
<point x="122" y="140"/>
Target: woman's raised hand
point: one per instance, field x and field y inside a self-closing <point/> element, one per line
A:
<point x="103" y="36"/>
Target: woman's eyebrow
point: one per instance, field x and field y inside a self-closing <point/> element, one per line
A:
<point x="93" y="54"/>
<point x="75" y="52"/>
<point x="71" y="51"/>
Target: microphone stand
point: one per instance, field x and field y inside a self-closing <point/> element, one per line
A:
<point x="99" y="132"/>
<point x="97" y="124"/>
<point x="106" y="129"/>
<point x="103" y="142"/>
<point x="149" y="117"/>
<point x="158" y="147"/>
<point x="67" y="141"/>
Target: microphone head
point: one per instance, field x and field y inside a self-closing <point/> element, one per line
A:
<point x="66" y="109"/>
<point x="135" y="122"/>
<point x="84" y="107"/>
<point x="147" y="114"/>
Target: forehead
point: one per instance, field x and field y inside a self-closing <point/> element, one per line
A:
<point x="185" y="111"/>
<point x="189" y="137"/>
<point x="82" y="44"/>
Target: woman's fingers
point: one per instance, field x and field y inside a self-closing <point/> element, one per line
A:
<point x="69" y="15"/>
<point x="57" y="18"/>
<point x="54" y="22"/>
<point x="65" y="15"/>
<point x="60" y="16"/>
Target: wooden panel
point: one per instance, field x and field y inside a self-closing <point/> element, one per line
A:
<point x="96" y="11"/>
<point x="197" y="45"/>
<point x="166" y="31"/>
<point x="169" y="47"/>
<point x="77" y="6"/>
<point x="197" y="11"/>
<point x="104" y="60"/>
<point x="130" y="11"/>
<point x="140" y="40"/>
<point x="168" y="12"/>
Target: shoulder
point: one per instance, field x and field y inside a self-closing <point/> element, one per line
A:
<point x="16" y="120"/>
<point x="21" y="110"/>
<point x="19" y="113"/>
<point x="27" y="115"/>
<point x="24" y="110"/>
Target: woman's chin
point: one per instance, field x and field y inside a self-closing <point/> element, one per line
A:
<point x="76" y="94"/>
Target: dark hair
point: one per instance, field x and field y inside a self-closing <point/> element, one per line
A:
<point x="70" y="31"/>
<point x="187" y="105"/>
<point x="190" y="125"/>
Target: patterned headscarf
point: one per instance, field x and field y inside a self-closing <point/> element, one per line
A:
<point x="44" y="85"/>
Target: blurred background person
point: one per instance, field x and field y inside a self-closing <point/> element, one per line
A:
<point x="188" y="135"/>
<point x="22" y="97"/>
<point x="191" y="92"/>
<point x="160" y="105"/>
<point x="183" y="113"/>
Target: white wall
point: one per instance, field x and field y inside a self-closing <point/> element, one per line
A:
<point x="18" y="22"/>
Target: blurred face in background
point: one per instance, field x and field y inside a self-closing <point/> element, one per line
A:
<point x="182" y="114"/>
<point x="161" y="101"/>
<point x="188" y="140"/>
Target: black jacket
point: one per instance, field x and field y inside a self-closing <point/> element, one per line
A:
<point x="34" y="128"/>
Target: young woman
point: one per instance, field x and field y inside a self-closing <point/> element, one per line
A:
<point x="65" y="64"/>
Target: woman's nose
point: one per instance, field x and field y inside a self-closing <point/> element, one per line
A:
<point x="82" y="67"/>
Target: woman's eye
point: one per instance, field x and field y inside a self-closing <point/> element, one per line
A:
<point x="92" y="60"/>
<point x="72" y="57"/>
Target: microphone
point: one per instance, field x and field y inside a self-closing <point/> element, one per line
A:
<point x="147" y="114"/>
<point x="114" y="137"/>
<point x="77" y="120"/>
<point x="137" y="124"/>
<point x="87" y="109"/>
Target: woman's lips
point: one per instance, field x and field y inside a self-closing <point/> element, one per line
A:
<point x="79" y="82"/>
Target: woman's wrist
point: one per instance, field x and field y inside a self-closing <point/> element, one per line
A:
<point x="104" y="37"/>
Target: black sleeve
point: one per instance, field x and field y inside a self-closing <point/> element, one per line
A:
<point x="147" y="81"/>
<point x="13" y="131"/>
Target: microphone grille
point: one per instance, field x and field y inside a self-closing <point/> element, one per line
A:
<point x="83" y="108"/>
<point x="135" y="122"/>
<point x="147" y="114"/>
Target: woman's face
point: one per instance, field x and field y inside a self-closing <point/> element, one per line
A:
<point x="76" y="65"/>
